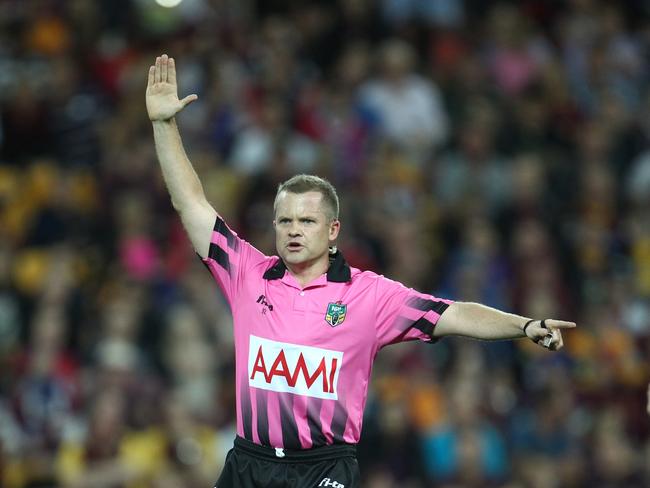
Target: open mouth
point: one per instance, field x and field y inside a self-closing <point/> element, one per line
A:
<point x="294" y="246"/>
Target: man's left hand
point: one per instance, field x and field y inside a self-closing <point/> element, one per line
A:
<point x="548" y="333"/>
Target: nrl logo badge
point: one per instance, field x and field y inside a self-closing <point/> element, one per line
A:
<point x="335" y="314"/>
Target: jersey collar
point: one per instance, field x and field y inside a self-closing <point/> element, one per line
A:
<point x="338" y="272"/>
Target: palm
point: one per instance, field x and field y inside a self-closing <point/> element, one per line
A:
<point x="162" y="101"/>
<point x="162" y="91"/>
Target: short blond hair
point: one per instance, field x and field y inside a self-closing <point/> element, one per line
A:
<point x="305" y="183"/>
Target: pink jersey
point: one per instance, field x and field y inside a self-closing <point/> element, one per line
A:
<point x="304" y="354"/>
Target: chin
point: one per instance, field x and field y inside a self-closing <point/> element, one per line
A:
<point x="293" y="258"/>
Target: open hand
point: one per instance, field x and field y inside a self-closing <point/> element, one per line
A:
<point x="547" y="333"/>
<point x="162" y="90"/>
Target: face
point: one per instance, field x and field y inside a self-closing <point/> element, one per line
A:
<point x="303" y="228"/>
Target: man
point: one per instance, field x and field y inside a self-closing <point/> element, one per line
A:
<point x="307" y="326"/>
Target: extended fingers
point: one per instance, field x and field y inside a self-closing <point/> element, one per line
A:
<point x="164" y="64"/>
<point x="171" y="71"/>
<point x="163" y="71"/>
<point x="158" y="70"/>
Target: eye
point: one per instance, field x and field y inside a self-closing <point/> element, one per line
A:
<point x="283" y="220"/>
<point x="308" y="221"/>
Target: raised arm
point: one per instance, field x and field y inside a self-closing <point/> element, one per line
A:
<point x="182" y="182"/>
<point x="481" y="322"/>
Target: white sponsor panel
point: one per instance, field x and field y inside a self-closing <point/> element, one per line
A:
<point x="293" y="368"/>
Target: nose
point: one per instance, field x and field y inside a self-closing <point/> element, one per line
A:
<point x="294" y="230"/>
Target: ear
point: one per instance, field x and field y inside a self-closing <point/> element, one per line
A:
<point x="335" y="227"/>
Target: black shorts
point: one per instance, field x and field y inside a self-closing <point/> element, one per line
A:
<point x="249" y="465"/>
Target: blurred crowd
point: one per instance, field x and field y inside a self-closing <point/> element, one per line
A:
<point x="485" y="151"/>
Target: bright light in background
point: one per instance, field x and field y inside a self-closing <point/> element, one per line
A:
<point x="168" y="3"/>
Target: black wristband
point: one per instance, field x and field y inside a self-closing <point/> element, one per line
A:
<point x="542" y="324"/>
<point x="527" y="324"/>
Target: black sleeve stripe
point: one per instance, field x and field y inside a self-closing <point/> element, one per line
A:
<point x="221" y="227"/>
<point x="425" y="326"/>
<point x="220" y="256"/>
<point x="425" y="305"/>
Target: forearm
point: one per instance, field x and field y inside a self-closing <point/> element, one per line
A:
<point x="182" y="182"/>
<point x="184" y="186"/>
<point x="480" y="322"/>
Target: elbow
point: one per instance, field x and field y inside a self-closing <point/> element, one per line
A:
<point x="178" y="205"/>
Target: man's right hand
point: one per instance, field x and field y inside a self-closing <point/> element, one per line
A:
<point x="162" y="91"/>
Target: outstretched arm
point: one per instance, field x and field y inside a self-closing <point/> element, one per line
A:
<point x="182" y="182"/>
<point x="481" y="322"/>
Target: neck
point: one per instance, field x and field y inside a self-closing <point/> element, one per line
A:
<point x="305" y="273"/>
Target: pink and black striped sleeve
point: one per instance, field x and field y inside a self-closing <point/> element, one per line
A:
<point x="229" y="257"/>
<point x="404" y="314"/>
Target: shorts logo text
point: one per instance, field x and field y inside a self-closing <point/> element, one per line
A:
<point x="284" y="367"/>
<point x="333" y="484"/>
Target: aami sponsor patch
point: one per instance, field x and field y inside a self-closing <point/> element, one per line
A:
<point x="293" y="368"/>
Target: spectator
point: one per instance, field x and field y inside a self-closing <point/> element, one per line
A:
<point x="410" y="109"/>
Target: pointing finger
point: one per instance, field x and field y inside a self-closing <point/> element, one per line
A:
<point x="152" y="71"/>
<point x="559" y="324"/>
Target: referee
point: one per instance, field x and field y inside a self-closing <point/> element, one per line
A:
<point x="307" y="325"/>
